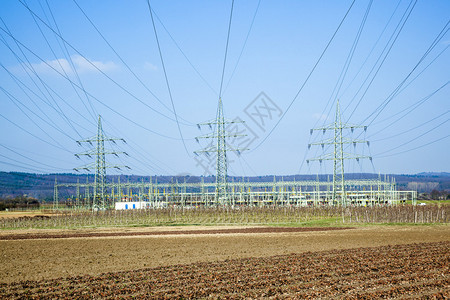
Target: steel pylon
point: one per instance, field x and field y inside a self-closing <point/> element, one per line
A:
<point x="220" y="150"/>
<point x="338" y="156"/>
<point x="100" y="200"/>
<point x="222" y="167"/>
<point x="100" y="174"/>
<point x="338" y="170"/>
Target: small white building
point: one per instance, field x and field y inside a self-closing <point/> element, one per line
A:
<point x="131" y="205"/>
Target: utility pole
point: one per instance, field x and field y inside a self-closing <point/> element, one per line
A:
<point x="338" y="156"/>
<point x="220" y="150"/>
<point x="100" y="198"/>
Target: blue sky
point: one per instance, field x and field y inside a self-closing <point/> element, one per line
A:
<point x="58" y="73"/>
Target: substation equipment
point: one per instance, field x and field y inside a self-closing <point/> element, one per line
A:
<point x="232" y="191"/>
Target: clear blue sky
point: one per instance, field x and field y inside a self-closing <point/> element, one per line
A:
<point x="57" y="74"/>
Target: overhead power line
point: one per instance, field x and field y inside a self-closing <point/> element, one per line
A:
<point x="123" y="61"/>
<point x="307" y="78"/>
<point x="45" y="86"/>
<point x="415" y="138"/>
<point x="243" y="46"/>
<point x="394" y="93"/>
<point x="63" y="47"/>
<point x="184" y="54"/>
<point x="167" y="80"/>
<point x="39" y="138"/>
<point x="15" y="101"/>
<point x="387" y="49"/>
<point x="96" y="67"/>
<point x="346" y="66"/>
<point x="26" y="157"/>
<point x="408" y="109"/>
<point x="226" y="49"/>
<point x="411" y="129"/>
<point x="92" y="96"/>
<point x="412" y="149"/>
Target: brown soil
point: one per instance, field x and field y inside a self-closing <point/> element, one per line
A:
<point x="37" y="259"/>
<point x="25" y="214"/>
<point x="416" y="271"/>
<point x="49" y="235"/>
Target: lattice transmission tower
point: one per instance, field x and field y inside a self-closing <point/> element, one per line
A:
<point x="100" y="201"/>
<point x="338" y="156"/>
<point x="220" y="134"/>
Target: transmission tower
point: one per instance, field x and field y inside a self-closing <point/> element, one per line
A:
<point x="220" y="134"/>
<point x="99" y="201"/>
<point x="338" y="157"/>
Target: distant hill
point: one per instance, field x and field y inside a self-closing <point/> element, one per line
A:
<point x="40" y="186"/>
<point x="434" y="174"/>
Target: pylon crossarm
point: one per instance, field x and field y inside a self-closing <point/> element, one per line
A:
<point x="332" y="126"/>
<point x="93" y="153"/>
<point x="215" y="136"/>
<point x="321" y="158"/>
<point x="213" y="149"/>
<point x="332" y="157"/>
<point x="214" y="122"/>
<point x="332" y="141"/>
<point x="85" y="167"/>
<point x="229" y="148"/>
<point x="357" y="157"/>
<point x="118" y="167"/>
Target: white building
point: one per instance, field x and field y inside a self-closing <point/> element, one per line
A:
<point x="131" y="205"/>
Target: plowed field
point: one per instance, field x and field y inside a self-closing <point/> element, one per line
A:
<point x="235" y="262"/>
<point x="412" y="271"/>
<point x="65" y="235"/>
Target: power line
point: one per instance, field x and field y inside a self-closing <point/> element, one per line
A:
<point x="243" y="46"/>
<point x="184" y="54"/>
<point x="394" y="93"/>
<point x="347" y="63"/>
<point x="226" y="49"/>
<point x="14" y="100"/>
<point x="423" y="70"/>
<point x="121" y="59"/>
<point x="56" y="146"/>
<point x="167" y="80"/>
<point x="68" y="57"/>
<point x="342" y="75"/>
<point x="56" y="57"/>
<point x="411" y="109"/>
<point x="26" y="157"/>
<point x="23" y="167"/>
<point x="412" y="149"/>
<point x="46" y="87"/>
<point x="371" y="51"/>
<point x="307" y="78"/>
<point x="396" y="90"/>
<point x="412" y="140"/>
<point x="22" y="86"/>
<point x="17" y="150"/>
<point x="97" y="68"/>
<point x="400" y="26"/>
<point x="411" y="129"/>
<point x="92" y="96"/>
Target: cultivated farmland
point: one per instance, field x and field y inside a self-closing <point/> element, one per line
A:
<point x="81" y="255"/>
<point x="414" y="270"/>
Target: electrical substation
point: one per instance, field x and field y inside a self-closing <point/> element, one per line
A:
<point x="335" y="191"/>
